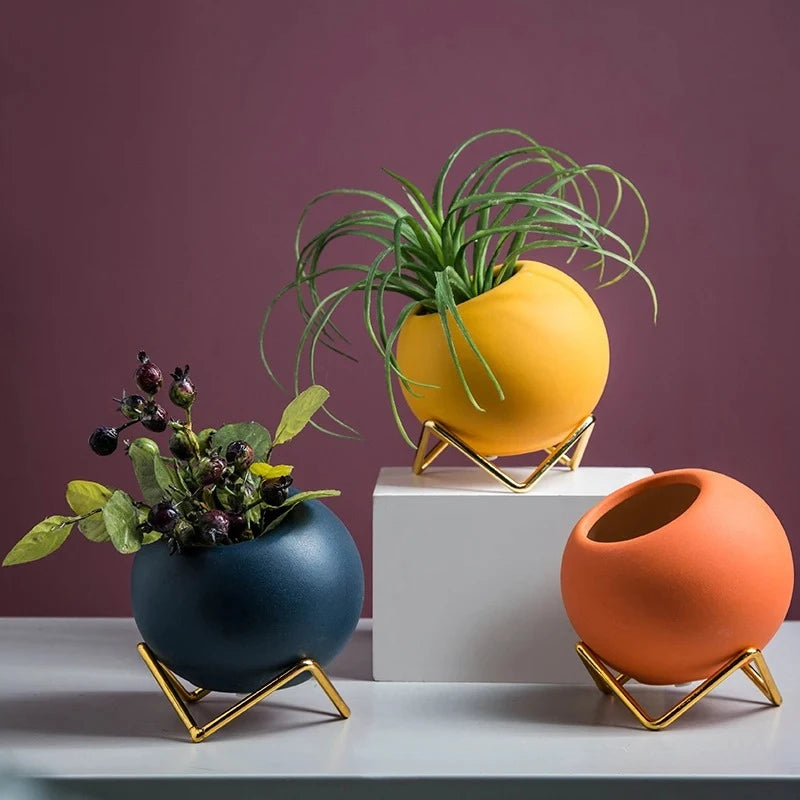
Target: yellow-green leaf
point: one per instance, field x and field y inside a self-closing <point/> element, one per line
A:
<point x="94" y="528"/>
<point x="312" y="495"/>
<point x="205" y="438"/>
<point x="144" y="454"/>
<point x="40" y="541"/>
<point x="122" y="523"/>
<point x="165" y="475"/>
<point x="270" y="471"/>
<point x="255" y="434"/>
<point x="277" y="521"/>
<point x="150" y="536"/>
<point x="299" y="412"/>
<point x="86" y="496"/>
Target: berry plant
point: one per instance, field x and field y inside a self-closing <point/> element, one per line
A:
<point x="215" y="488"/>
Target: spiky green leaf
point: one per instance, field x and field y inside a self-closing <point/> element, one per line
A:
<point x="490" y="221"/>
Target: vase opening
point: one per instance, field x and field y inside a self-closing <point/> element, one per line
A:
<point x="419" y="311"/>
<point x="644" y="512"/>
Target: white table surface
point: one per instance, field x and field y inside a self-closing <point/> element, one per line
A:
<point x="78" y="708"/>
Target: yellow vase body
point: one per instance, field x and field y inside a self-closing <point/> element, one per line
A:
<point x="546" y="343"/>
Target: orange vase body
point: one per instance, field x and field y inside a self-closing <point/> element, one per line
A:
<point x="670" y="577"/>
<point x="546" y="343"/>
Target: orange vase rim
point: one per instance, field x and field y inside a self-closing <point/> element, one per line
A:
<point x="695" y="477"/>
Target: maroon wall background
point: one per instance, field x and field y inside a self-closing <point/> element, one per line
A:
<point x="154" y="157"/>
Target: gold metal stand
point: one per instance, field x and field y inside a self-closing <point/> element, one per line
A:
<point x="750" y="661"/>
<point x="178" y="696"/>
<point x="558" y="454"/>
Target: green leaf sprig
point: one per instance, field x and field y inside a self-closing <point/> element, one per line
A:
<point x="217" y="487"/>
<point x="439" y="253"/>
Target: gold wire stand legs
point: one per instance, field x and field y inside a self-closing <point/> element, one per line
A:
<point x="750" y="661"/>
<point x="178" y="696"/>
<point x="559" y="454"/>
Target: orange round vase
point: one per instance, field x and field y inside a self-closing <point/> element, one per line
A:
<point x="546" y="343"/>
<point x="670" y="577"/>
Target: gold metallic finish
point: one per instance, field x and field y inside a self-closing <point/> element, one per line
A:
<point x="178" y="696"/>
<point x="750" y="661"/>
<point x="183" y="693"/>
<point x="559" y="454"/>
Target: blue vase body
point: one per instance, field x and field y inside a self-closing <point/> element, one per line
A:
<point x="232" y="618"/>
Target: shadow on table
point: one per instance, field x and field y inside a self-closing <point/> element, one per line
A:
<point x="147" y="715"/>
<point x="585" y="706"/>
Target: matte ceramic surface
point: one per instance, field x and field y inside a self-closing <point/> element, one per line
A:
<point x="546" y="343"/>
<point x="231" y="618"/>
<point x="668" y="578"/>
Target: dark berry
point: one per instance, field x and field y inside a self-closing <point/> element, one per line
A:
<point x="131" y="405"/>
<point x="274" y="495"/>
<point x="182" y="391"/>
<point x="178" y="538"/>
<point x="148" y="375"/>
<point x="237" y="524"/>
<point x="209" y="470"/>
<point x="212" y="528"/>
<point x="103" y="441"/>
<point x="180" y="445"/>
<point x="275" y="492"/>
<point x="211" y="537"/>
<point x="154" y="417"/>
<point x="215" y="518"/>
<point x="240" y="454"/>
<point x="163" y="516"/>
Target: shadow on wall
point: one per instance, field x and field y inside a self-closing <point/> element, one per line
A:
<point x="355" y="663"/>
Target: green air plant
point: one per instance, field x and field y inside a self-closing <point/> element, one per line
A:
<point x="440" y="251"/>
<point x="216" y="488"/>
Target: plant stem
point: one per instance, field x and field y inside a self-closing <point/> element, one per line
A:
<point x="252" y="505"/>
<point x="73" y="520"/>
<point x="126" y="425"/>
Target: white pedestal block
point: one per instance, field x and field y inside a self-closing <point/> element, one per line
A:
<point x="466" y="575"/>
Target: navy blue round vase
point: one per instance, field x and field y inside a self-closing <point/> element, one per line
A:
<point x="232" y="618"/>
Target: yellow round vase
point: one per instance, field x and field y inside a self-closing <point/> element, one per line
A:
<point x="546" y="343"/>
